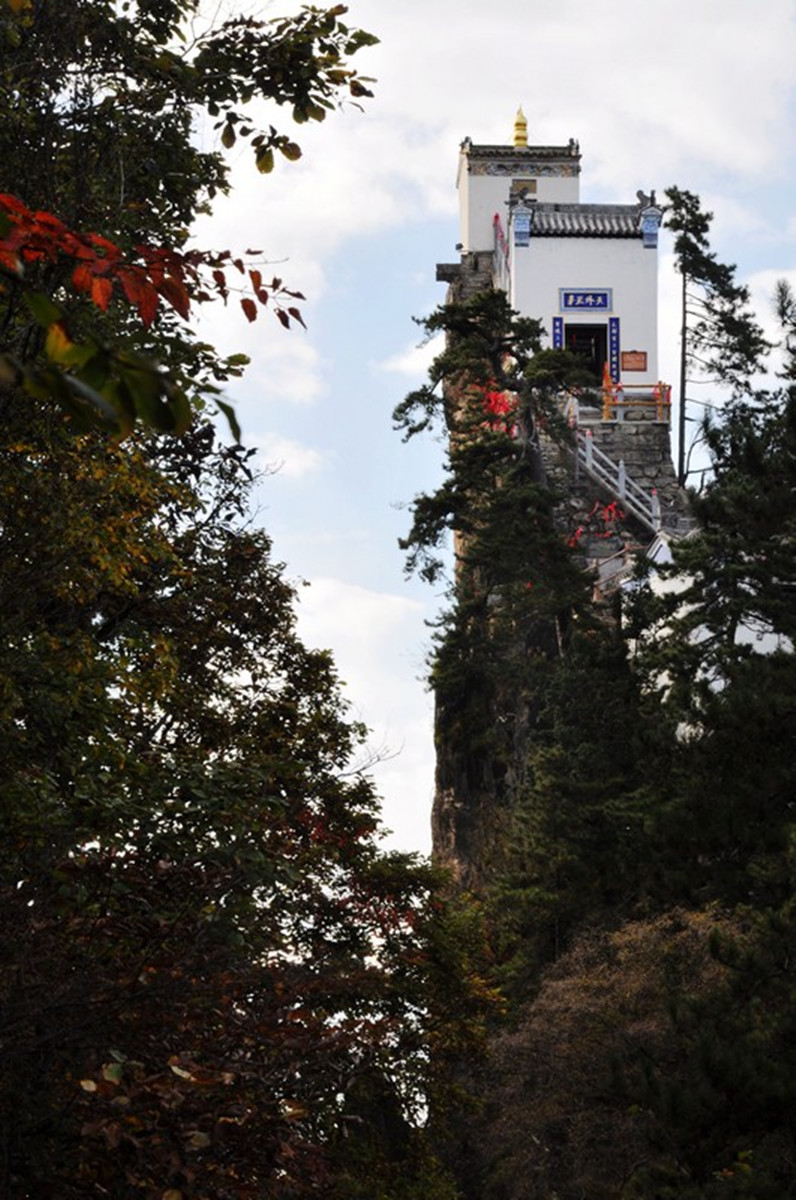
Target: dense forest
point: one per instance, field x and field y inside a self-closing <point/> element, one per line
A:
<point x="215" y="984"/>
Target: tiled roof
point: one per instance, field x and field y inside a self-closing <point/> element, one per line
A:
<point x="586" y="220"/>
<point x="520" y="152"/>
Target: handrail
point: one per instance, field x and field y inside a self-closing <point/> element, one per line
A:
<point x="642" y="387"/>
<point x="646" y="506"/>
<point x="659" y="397"/>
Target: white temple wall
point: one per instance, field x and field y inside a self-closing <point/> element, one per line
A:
<point x="483" y="196"/>
<point x="622" y="267"/>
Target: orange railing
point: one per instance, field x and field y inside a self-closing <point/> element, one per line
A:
<point x="657" y="397"/>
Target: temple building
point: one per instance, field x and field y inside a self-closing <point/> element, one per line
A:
<point x="588" y="271"/>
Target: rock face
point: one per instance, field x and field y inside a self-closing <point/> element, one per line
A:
<point x="473" y="274"/>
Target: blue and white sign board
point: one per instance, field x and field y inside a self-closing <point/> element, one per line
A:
<point x="558" y="333"/>
<point x="585" y="299"/>
<point x="613" y="348"/>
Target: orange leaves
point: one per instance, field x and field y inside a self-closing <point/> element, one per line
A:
<point x="37" y="237"/>
<point x="141" y="294"/>
<point x="93" y="382"/>
<point x="161" y="276"/>
<point x="150" y="277"/>
<point x="81" y="278"/>
<point x="174" y="292"/>
<point x="264" y="294"/>
<point x="101" y="290"/>
<point x="9" y="259"/>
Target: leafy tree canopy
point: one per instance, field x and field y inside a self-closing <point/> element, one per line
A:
<point x="214" y="983"/>
<point x="99" y="107"/>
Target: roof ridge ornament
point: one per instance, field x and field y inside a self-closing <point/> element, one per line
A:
<point x="520" y="128"/>
<point x="649" y="219"/>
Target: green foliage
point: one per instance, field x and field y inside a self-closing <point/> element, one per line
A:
<point x="723" y="1103"/>
<point x="206" y="961"/>
<point x="740" y="566"/>
<point x="113" y="92"/>
<point x="579" y="810"/>
<point x="556" y="1120"/>
<point x="493" y="390"/>
<point x="723" y="341"/>
<point x="716" y="657"/>
<point x="654" y="1061"/>
<point x="203" y="949"/>
<point x="720" y="340"/>
<point x="99" y="104"/>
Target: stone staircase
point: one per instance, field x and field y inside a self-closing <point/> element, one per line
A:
<point x="628" y="456"/>
<point x="642" y="502"/>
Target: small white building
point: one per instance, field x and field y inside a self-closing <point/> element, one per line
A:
<point x="589" y="272"/>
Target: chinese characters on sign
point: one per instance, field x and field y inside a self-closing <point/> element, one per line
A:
<point x="613" y="347"/>
<point x="558" y="333"/>
<point x="585" y="299"/>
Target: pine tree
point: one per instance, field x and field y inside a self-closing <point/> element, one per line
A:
<point x="493" y="391"/>
<point x="720" y="341"/>
<point x="626" y="804"/>
<point x="719" y="657"/>
<point x="578" y="812"/>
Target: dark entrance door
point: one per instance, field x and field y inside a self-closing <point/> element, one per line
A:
<point x="589" y="342"/>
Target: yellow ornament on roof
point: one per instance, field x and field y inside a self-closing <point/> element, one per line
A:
<point x="520" y="129"/>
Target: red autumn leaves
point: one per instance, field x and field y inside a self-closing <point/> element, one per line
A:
<point x="101" y="271"/>
<point x="500" y="407"/>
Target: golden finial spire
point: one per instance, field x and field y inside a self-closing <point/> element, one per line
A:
<point x="520" y="129"/>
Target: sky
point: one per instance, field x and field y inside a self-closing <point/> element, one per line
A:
<point x="700" y="94"/>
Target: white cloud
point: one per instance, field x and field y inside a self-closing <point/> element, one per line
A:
<point x="647" y="93"/>
<point x="286" y="368"/>
<point x="762" y="286"/>
<point x="637" y="85"/>
<point x="361" y="622"/>
<point x="289" y="459"/>
<point x="415" y="360"/>
<point x="379" y="649"/>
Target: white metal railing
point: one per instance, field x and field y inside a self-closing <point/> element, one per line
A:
<point x="644" y="505"/>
